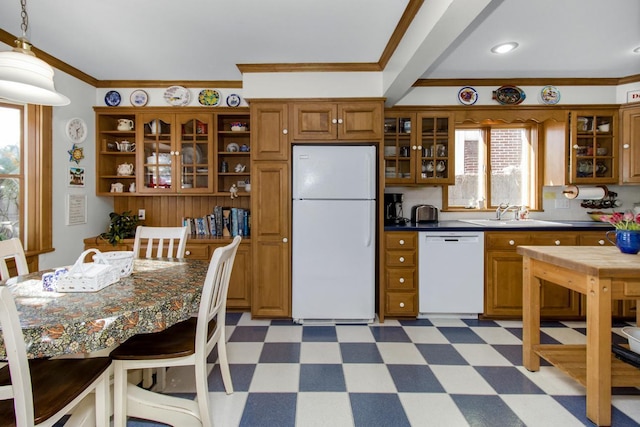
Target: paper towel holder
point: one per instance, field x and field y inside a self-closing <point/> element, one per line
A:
<point x="598" y="192"/>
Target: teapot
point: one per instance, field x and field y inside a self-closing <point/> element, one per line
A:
<point x="125" y="169"/>
<point x="126" y="146"/>
<point x="125" y="124"/>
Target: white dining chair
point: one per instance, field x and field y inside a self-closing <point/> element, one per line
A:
<point x="12" y="249"/>
<point x="173" y="239"/>
<point x="41" y="391"/>
<point x="187" y="343"/>
<point x="169" y="242"/>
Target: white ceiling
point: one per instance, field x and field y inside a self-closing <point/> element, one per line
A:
<point x="205" y="39"/>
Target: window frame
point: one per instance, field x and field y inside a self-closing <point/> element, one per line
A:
<point x="36" y="169"/>
<point x="536" y="164"/>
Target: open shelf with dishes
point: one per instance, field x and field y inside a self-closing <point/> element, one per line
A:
<point x="233" y="153"/>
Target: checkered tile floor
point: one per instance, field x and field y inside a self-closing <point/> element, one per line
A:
<point x="428" y="372"/>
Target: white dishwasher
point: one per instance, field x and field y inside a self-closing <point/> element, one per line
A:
<point x="451" y="274"/>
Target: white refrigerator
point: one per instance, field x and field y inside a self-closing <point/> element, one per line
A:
<point x="333" y="235"/>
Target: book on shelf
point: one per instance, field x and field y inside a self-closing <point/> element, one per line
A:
<point x="222" y="222"/>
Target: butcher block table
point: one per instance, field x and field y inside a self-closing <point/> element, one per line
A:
<point x="603" y="274"/>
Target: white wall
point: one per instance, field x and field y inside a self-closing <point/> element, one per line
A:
<point x="68" y="239"/>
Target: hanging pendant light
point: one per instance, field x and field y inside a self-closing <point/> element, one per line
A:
<point x="25" y="78"/>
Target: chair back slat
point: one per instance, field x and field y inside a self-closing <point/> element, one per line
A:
<point x="213" y="301"/>
<point x="20" y="389"/>
<point x="12" y="249"/>
<point x="150" y="238"/>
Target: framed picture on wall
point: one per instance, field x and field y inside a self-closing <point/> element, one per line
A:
<point x="76" y="209"/>
<point x="76" y="177"/>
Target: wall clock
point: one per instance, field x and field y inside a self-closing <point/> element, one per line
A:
<point x="76" y="130"/>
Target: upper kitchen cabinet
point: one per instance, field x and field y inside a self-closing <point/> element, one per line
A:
<point x="593" y="150"/>
<point x="174" y="153"/>
<point x="342" y="121"/>
<point x="418" y="148"/>
<point x="631" y="144"/>
<point x="233" y="149"/>
<point x="270" y="131"/>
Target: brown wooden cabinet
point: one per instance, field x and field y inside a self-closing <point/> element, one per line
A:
<point x="239" y="293"/>
<point x="593" y="149"/>
<point x="341" y="121"/>
<point x="174" y="151"/>
<point x="418" y="148"/>
<point x="503" y="273"/>
<point x="400" y="275"/>
<point x="271" y="211"/>
<point x="630" y="144"/>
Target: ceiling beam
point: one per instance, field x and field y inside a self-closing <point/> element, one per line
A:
<point x="438" y="27"/>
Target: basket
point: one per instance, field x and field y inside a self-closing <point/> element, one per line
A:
<point x="122" y="260"/>
<point x="88" y="277"/>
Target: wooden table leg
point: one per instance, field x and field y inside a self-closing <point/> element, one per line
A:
<point x="530" y="316"/>
<point x="599" y="351"/>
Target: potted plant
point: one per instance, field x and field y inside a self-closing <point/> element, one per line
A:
<point x="121" y="226"/>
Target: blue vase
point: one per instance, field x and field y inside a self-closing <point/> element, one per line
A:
<point x="628" y="241"/>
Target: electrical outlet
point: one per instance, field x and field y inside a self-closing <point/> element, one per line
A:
<point x="141" y="214"/>
<point x="562" y="203"/>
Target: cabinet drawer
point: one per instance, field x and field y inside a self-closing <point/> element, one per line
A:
<point x="506" y="240"/>
<point x="401" y="278"/>
<point x="594" y="239"/>
<point x="400" y="258"/>
<point x="401" y="304"/>
<point x="401" y="240"/>
<point x="554" y="239"/>
<point x="197" y="252"/>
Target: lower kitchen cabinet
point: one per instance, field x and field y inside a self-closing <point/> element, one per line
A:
<point x="401" y="275"/>
<point x="239" y="294"/>
<point x="503" y="274"/>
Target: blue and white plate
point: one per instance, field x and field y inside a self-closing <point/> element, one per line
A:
<point x="233" y="100"/>
<point x="112" y="98"/>
<point x="139" y="98"/>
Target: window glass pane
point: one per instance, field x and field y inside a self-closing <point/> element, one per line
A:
<point x="509" y="166"/>
<point x="10" y="172"/>
<point x="469" y="170"/>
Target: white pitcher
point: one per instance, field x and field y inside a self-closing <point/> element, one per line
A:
<point x="125" y="124"/>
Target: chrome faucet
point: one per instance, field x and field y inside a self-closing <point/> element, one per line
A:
<point x="504" y="208"/>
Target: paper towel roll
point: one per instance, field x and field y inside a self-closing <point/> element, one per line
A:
<point x="585" y="193"/>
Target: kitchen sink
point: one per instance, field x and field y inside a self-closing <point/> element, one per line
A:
<point x="514" y="223"/>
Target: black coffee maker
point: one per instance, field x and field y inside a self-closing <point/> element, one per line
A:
<point x="393" y="209"/>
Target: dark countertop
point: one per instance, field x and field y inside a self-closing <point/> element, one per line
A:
<point x="465" y="226"/>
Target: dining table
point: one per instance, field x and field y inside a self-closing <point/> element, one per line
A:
<point x="158" y="294"/>
<point x="602" y="274"/>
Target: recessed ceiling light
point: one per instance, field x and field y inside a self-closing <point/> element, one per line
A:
<point x="504" y="47"/>
<point x="636" y="50"/>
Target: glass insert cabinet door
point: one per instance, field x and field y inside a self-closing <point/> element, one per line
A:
<point x="593" y="147"/>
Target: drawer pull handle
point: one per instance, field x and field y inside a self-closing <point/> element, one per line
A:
<point x="401" y="259"/>
<point x="512" y="242"/>
<point x="401" y="280"/>
<point x="187" y="253"/>
<point x="285" y="131"/>
<point x="601" y="242"/>
<point x="285" y="240"/>
<point x="401" y="305"/>
<point x="557" y="242"/>
<point x="402" y="242"/>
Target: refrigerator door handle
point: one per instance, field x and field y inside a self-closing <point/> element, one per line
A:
<point x="367" y="239"/>
<point x="370" y="173"/>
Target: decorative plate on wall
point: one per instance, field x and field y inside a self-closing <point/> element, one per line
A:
<point x="233" y="100"/>
<point x="139" y="98"/>
<point x="177" y="95"/>
<point x="209" y="97"/>
<point x="509" y="95"/>
<point x="467" y="95"/>
<point x="112" y="98"/>
<point x="550" y="95"/>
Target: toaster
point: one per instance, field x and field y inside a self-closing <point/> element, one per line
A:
<point x="424" y="213"/>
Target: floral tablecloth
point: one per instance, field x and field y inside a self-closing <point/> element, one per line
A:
<point x="157" y="295"/>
